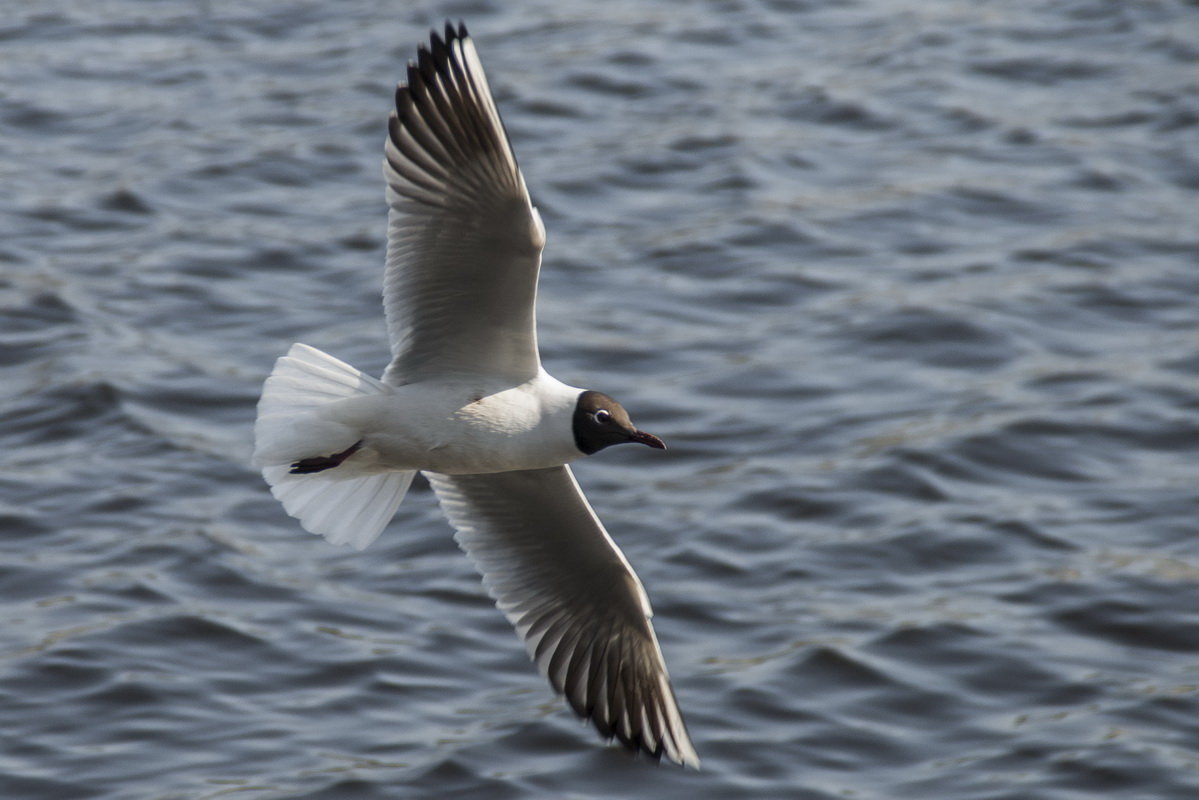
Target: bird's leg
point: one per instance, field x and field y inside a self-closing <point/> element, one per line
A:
<point x="306" y="466"/>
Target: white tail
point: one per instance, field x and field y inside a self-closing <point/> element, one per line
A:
<point x="346" y="506"/>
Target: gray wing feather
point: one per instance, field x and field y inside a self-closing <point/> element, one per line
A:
<point x="573" y="598"/>
<point x="464" y="241"/>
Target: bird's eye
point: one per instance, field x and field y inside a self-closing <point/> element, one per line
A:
<point x="602" y="416"/>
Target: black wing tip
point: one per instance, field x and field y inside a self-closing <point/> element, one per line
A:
<point x="437" y="52"/>
<point x="637" y="747"/>
<point x="637" y="744"/>
<point x="446" y="38"/>
<point x="441" y="43"/>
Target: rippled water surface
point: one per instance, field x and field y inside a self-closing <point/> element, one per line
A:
<point x="910" y="288"/>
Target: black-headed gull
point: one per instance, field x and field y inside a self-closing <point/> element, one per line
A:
<point x="466" y="401"/>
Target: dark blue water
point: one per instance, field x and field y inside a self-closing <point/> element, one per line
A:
<point x="910" y="288"/>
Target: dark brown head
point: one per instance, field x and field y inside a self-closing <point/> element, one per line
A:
<point x="600" y="421"/>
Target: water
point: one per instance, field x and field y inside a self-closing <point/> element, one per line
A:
<point x="909" y="288"/>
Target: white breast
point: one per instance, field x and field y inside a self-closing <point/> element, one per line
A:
<point x="464" y="427"/>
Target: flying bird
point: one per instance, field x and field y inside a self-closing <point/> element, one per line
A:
<point x="465" y="400"/>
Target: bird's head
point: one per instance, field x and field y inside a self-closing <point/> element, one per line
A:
<point x="599" y="421"/>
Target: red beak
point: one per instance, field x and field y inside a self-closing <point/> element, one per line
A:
<point x="648" y="439"/>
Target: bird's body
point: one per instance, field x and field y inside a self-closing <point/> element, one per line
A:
<point x="464" y="425"/>
<point x="466" y="401"/>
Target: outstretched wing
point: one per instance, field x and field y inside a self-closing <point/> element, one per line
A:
<point x="464" y="241"/>
<point x="575" y="601"/>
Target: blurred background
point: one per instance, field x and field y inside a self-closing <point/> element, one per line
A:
<point x="908" y="287"/>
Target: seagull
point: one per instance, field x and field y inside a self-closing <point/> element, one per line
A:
<point x="466" y="401"/>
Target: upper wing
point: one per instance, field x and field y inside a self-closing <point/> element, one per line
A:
<point x="464" y="242"/>
<point x="560" y="579"/>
